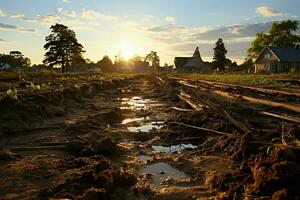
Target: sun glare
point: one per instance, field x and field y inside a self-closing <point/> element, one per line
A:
<point x="127" y="50"/>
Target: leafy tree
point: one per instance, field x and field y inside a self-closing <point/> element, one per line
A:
<point x="15" y="59"/>
<point x="136" y="58"/>
<point x="105" y="64"/>
<point x="62" y="48"/>
<point x="247" y="65"/>
<point x="16" y="54"/>
<point x="281" y="34"/>
<point x="153" y="58"/>
<point x="219" y="55"/>
<point x="262" y="40"/>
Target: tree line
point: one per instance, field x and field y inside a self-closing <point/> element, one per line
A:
<point x="281" y="34"/>
<point x="63" y="50"/>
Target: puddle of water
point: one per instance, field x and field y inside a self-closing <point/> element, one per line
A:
<point x="161" y="172"/>
<point x="145" y="159"/>
<point x="147" y="127"/>
<point x="138" y="103"/>
<point x="174" y="148"/>
<point x="135" y="103"/>
<point x="129" y="120"/>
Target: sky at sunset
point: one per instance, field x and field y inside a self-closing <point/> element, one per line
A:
<point x="170" y="27"/>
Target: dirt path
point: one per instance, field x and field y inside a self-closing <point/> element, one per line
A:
<point x="126" y="125"/>
<point x="138" y="139"/>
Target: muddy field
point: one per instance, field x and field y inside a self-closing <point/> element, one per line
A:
<point x="148" y="137"/>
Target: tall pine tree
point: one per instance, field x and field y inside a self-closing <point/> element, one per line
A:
<point x="62" y="47"/>
<point x="220" y="55"/>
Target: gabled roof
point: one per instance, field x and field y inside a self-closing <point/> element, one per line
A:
<point x="286" y="54"/>
<point x="283" y="54"/>
<point x="194" y="62"/>
<point x="181" y="61"/>
<point x="197" y="54"/>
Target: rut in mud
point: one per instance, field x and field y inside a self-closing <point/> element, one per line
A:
<point x="147" y="137"/>
<point x="59" y="151"/>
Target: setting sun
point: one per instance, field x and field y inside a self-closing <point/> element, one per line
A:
<point x="127" y="50"/>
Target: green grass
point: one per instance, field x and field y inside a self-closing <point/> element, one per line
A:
<point x="45" y="80"/>
<point x="258" y="80"/>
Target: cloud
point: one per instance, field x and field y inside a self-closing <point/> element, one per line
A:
<point x="167" y="28"/>
<point x="59" y="10"/>
<point x="48" y="19"/>
<point x="268" y="12"/>
<point x="147" y="17"/>
<point x="233" y="31"/>
<point x="17" y="16"/>
<point x="92" y="14"/>
<point x="237" y="38"/>
<point x="16" y="28"/>
<point x="170" y="19"/>
<point x="2" y="40"/>
<point x="2" y="14"/>
<point x="66" y="1"/>
<point x="70" y="13"/>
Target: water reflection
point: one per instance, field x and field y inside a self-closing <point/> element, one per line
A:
<point x="137" y="103"/>
<point x="162" y="171"/>
<point x="174" y="148"/>
<point x="130" y="120"/>
<point x="147" y="127"/>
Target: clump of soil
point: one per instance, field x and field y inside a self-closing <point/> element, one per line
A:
<point x="106" y="147"/>
<point x="278" y="174"/>
<point x="87" y="179"/>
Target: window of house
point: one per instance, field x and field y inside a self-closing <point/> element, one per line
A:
<point x="267" y="56"/>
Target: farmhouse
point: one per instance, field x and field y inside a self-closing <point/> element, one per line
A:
<point x="192" y="64"/>
<point x="278" y="59"/>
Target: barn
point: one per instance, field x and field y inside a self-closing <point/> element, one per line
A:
<point x="192" y="64"/>
<point x="278" y="60"/>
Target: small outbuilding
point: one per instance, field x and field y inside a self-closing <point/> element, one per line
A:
<point x="278" y="60"/>
<point x="192" y="64"/>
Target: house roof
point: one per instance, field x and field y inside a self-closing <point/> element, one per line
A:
<point x="194" y="62"/>
<point x="181" y="61"/>
<point x="286" y="54"/>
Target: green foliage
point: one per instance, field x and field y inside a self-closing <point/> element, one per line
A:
<point x="15" y="59"/>
<point x="32" y="86"/>
<point x="153" y="58"/>
<point x="105" y="64"/>
<point x="246" y="79"/>
<point x="12" y="93"/>
<point x="281" y="34"/>
<point x="220" y="55"/>
<point x="62" y="48"/>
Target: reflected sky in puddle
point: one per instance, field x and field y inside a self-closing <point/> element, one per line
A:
<point x="130" y="120"/>
<point x="174" y="148"/>
<point x="138" y="103"/>
<point x="162" y="171"/>
<point x="135" y="103"/>
<point x="144" y="158"/>
<point x="146" y="127"/>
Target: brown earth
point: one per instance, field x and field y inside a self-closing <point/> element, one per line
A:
<point x="149" y="137"/>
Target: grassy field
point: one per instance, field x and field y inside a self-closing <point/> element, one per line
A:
<point x="17" y="82"/>
<point x="259" y="80"/>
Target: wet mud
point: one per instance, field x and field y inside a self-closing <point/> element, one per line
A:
<point x="137" y="139"/>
